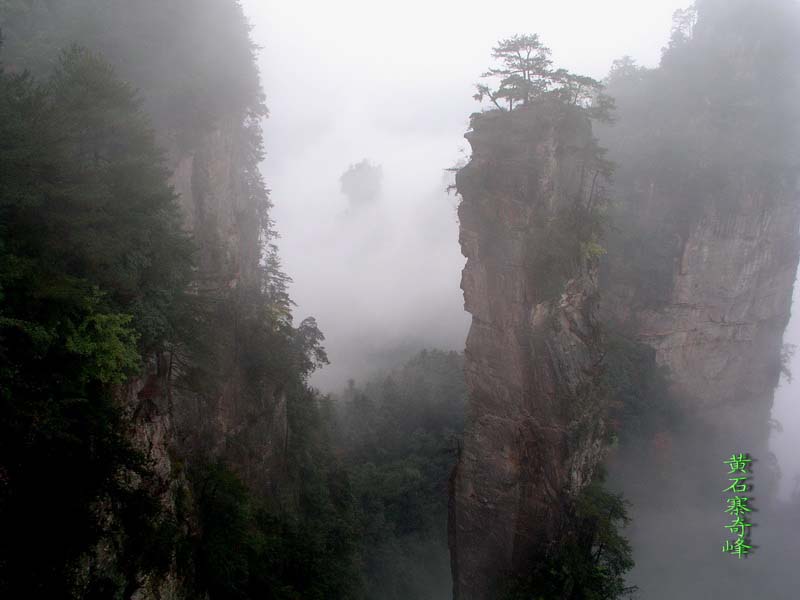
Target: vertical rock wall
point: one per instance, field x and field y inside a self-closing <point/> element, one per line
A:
<point x="224" y="216"/>
<point x="169" y="421"/>
<point x="720" y="331"/>
<point x="535" y="414"/>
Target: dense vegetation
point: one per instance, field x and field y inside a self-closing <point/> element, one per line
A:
<point x="252" y="546"/>
<point x="592" y="557"/>
<point x="93" y="265"/>
<point x="524" y="75"/>
<point x="399" y="436"/>
<point x="98" y="278"/>
<point x="371" y="524"/>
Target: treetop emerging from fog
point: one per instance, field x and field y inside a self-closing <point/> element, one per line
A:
<point x="525" y="73"/>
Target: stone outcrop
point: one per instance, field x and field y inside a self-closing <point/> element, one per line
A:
<point x="225" y="215"/>
<point x="703" y="250"/>
<point x="534" y="424"/>
<point x="719" y="332"/>
<point x="707" y="184"/>
<point x="716" y="326"/>
<point x="218" y="207"/>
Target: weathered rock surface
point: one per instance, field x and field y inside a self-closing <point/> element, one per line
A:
<point x="720" y="331"/>
<point x="717" y="328"/>
<point x="171" y="424"/>
<point x="702" y="255"/>
<point x="532" y="355"/>
<point x="224" y="216"/>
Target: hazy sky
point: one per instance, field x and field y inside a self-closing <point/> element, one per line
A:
<point x="785" y="409"/>
<point x="393" y="82"/>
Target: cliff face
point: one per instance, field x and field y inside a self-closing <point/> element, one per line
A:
<point x="217" y="205"/>
<point x="708" y="193"/>
<point x="535" y="414"/>
<point x="702" y="254"/>
<point x="701" y="262"/>
<point x="225" y="216"/>
<point x="172" y="424"/>
<point x="719" y="332"/>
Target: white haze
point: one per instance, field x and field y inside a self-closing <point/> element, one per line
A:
<point x="783" y="441"/>
<point x="392" y="82"/>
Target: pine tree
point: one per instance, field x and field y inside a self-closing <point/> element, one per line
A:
<point x="92" y="262"/>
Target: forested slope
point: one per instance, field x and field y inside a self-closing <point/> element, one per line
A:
<point x="159" y="433"/>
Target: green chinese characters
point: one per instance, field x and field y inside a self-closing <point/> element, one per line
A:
<point x="738" y="505"/>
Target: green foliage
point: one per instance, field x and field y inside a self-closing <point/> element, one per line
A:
<point x="525" y="74"/>
<point x="88" y="202"/>
<point x="107" y="346"/>
<point x="228" y="537"/>
<point x="96" y="272"/>
<point x="89" y="242"/>
<point x="303" y="547"/>
<point x="325" y="543"/>
<point x="591" y="558"/>
<point x="297" y="539"/>
<point x="399" y="434"/>
<point x="641" y="403"/>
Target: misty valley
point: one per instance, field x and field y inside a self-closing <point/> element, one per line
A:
<point x="364" y="301"/>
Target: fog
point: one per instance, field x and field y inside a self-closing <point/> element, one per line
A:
<point x="170" y="433"/>
<point x="783" y="440"/>
<point x="393" y="84"/>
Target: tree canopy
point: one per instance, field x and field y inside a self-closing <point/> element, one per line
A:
<point x="525" y="73"/>
<point x="361" y="183"/>
<point x="93" y="262"/>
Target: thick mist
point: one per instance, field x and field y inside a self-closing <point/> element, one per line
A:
<point x="394" y="85"/>
<point x="785" y="411"/>
<point x="212" y="389"/>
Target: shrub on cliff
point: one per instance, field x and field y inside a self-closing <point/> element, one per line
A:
<point x="592" y="558"/>
<point x="525" y="74"/>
